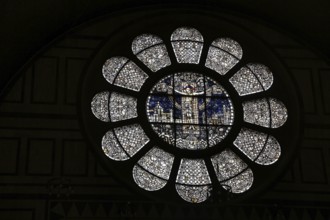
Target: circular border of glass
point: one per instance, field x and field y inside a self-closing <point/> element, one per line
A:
<point x="119" y="44"/>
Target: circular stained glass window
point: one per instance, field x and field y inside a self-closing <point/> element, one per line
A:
<point x="190" y="111"/>
<point x="189" y="116"/>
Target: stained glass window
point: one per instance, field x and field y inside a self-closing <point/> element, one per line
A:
<point x="189" y="111"/>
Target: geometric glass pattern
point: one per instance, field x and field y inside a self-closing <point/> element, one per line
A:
<point x="187" y="45"/>
<point x="191" y="111"/>
<point x="224" y="54"/>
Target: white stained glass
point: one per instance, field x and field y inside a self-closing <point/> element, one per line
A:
<point x="252" y="78"/>
<point x="150" y="50"/>
<point x="262" y="148"/>
<point x="270" y="153"/>
<point x="144" y="41"/>
<point x="132" y="138"/>
<point x="187" y="44"/>
<point x="239" y="183"/>
<point x="232" y="172"/>
<point x="146" y="180"/>
<point x="193" y="194"/>
<point x="122" y="107"/>
<point x="112" y="148"/>
<point x="112" y="66"/>
<point x="157" y="162"/>
<point x="227" y="165"/>
<point x="279" y="113"/>
<point x="100" y="106"/>
<point x="224" y="54"/>
<point x="258" y="112"/>
<point x="193" y="172"/>
<point x="131" y="77"/>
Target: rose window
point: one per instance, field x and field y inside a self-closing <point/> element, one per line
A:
<point x="191" y="115"/>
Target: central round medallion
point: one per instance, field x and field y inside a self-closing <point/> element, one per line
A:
<point x="190" y="110"/>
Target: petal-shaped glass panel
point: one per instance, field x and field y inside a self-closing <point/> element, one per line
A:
<point x="262" y="148"/>
<point x="112" y="148"/>
<point x="239" y="183"/>
<point x="131" y="77"/>
<point x="147" y="180"/>
<point x="193" y="194"/>
<point x="112" y="66"/>
<point x="270" y="153"/>
<point x="245" y="82"/>
<point x="227" y="165"/>
<point x="151" y="51"/>
<point x="132" y="138"/>
<point x="144" y="41"/>
<point x="193" y="172"/>
<point x="252" y="78"/>
<point x="157" y="162"/>
<point x="187" y="44"/>
<point x="100" y="106"/>
<point x="250" y="142"/>
<point x="279" y="113"/>
<point x="122" y="107"/>
<point x="263" y="73"/>
<point x="257" y="112"/>
<point x="224" y="54"/>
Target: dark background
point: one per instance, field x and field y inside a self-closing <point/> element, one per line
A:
<point x="47" y="168"/>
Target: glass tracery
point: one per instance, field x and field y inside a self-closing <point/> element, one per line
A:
<point x="190" y="111"/>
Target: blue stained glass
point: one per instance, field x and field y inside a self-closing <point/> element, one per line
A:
<point x="219" y="111"/>
<point x="198" y="115"/>
<point x="160" y="109"/>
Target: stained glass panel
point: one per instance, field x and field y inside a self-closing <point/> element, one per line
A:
<point x="216" y="134"/>
<point x="258" y="112"/>
<point x="270" y="153"/>
<point x="227" y="165"/>
<point x="132" y="138"/>
<point x="223" y="55"/>
<point x="131" y="77"/>
<point x="279" y="113"/>
<point x="193" y="172"/>
<point x="262" y="148"/>
<point x="100" y="106"/>
<point x="187" y="44"/>
<point x="147" y="180"/>
<point x="191" y="137"/>
<point x="122" y="107"/>
<point x="239" y="183"/>
<point x="157" y="162"/>
<point x="112" y="148"/>
<point x="193" y="194"/>
<point x="196" y="105"/>
<point x="252" y="78"/>
<point x="112" y="66"/>
<point x="150" y="50"/>
<point x="250" y="142"/>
